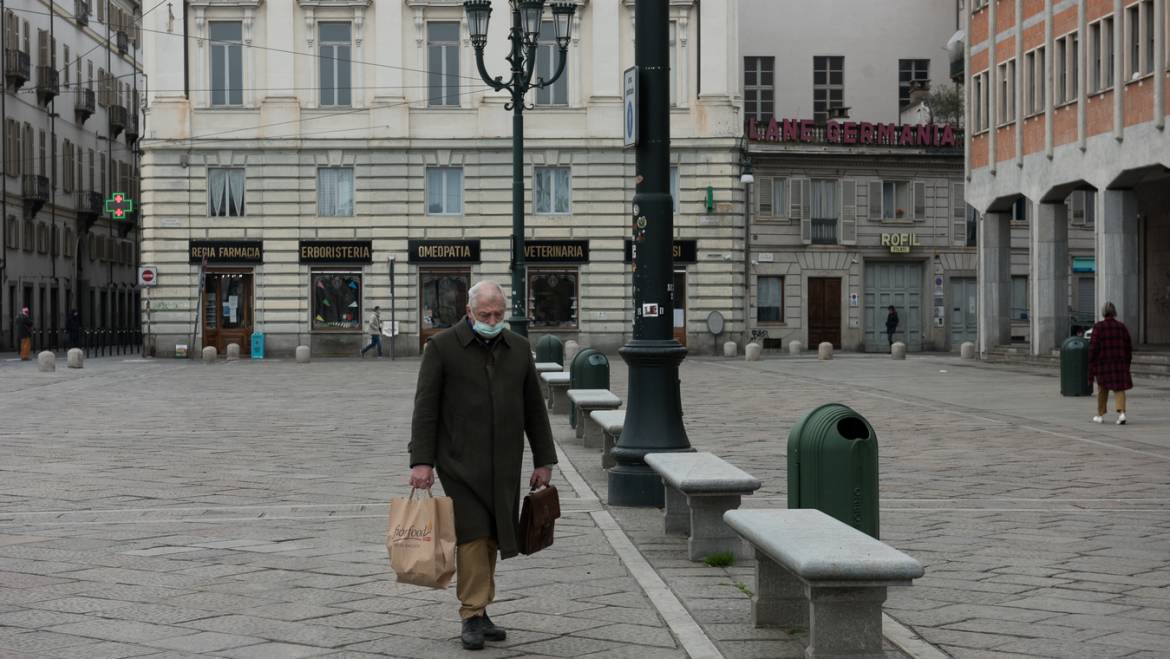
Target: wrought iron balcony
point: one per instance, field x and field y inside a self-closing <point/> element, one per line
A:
<point x="81" y="11"/>
<point x="824" y="231"/>
<point x="89" y="208"/>
<point x="86" y="104"/>
<point x="123" y="42"/>
<point x="17" y="67"/>
<point x="35" y="190"/>
<point x="48" y="83"/>
<point x="117" y="120"/>
<point x="132" y="128"/>
<point x="957" y="71"/>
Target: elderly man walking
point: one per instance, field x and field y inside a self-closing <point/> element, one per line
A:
<point x="477" y="396"/>
<point x="1110" y="354"/>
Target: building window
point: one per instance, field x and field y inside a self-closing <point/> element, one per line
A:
<point x="824" y="212"/>
<point x="895" y="200"/>
<point x="980" y="115"/>
<point x="335" y="191"/>
<point x="1139" y="36"/>
<point x="1066" y="69"/>
<point x="552" y="190"/>
<point x="1021" y="210"/>
<point x="910" y="71"/>
<point x="337" y="301"/>
<point x="772" y="197"/>
<point x="225" y="192"/>
<point x="547" y="56"/>
<point x="674" y="188"/>
<point x="1019" y="300"/>
<point x="444" y="190"/>
<point x="1101" y="55"/>
<point x="443" y="63"/>
<point x="828" y="86"/>
<point x="770" y="300"/>
<point x="336" y="87"/>
<point x="67" y="167"/>
<point x="227" y="62"/>
<point x="759" y="88"/>
<point x="1007" y="92"/>
<point x="1082" y="205"/>
<point x="552" y="298"/>
<point x="1034" y="81"/>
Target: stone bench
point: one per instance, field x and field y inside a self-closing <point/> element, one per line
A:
<point x="587" y="400"/>
<point x="558" y="390"/>
<point x="815" y="572"/>
<point x="699" y="488"/>
<point x="548" y="367"/>
<point x="610" y="423"/>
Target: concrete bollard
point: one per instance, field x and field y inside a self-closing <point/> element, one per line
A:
<point x="233" y="352"/>
<point x="795" y="347"/>
<point x="209" y="355"/>
<point x="825" y="351"/>
<point x="730" y="349"/>
<point x="76" y="358"/>
<point x="898" y="350"/>
<point x="571" y="350"/>
<point x="46" y="361"/>
<point x="967" y="350"/>
<point x="752" y="352"/>
<point x="302" y="354"/>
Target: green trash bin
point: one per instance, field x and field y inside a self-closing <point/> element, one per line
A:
<point x="1074" y="367"/>
<point x="833" y="466"/>
<point x="550" y="349"/>
<point x="590" y="370"/>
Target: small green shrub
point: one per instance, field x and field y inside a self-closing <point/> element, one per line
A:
<point x="720" y="559"/>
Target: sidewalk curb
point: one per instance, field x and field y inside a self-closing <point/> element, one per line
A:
<point x="909" y="642"/>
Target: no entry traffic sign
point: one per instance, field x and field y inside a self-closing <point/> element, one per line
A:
<point x="147" y="275"/>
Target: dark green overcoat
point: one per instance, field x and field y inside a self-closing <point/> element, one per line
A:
<point x="472" y="408"/>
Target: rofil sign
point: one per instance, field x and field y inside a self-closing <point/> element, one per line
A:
<point x="852" y="133"/>
<point x="900" y="243"/>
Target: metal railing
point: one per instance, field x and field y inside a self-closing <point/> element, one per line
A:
<point x="86" y="104"/>
<point x="17" y="67"/>
<point x="824" y="231"/>
<point x="111" y="342"/>
<point x="117" y="119"/>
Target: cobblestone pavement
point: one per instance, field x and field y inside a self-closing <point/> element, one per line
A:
<point x="171" y="509"/>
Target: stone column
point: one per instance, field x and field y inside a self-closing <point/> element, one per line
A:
<point x="389" y="43"/>
<point x="719" y="64"/>
<point x="1118" y="271"/>
<point x="994" y="280"/>
<point x="1048" y="277"/>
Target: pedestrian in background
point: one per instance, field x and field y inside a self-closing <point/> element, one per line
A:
<point x="24" y="328"/>
<point x="891" y="324"/>
<point x="375" y="332"/>
<point x="73" y="329"/>
<point x="1110" y="353"/>
<point x="477" y="396"/>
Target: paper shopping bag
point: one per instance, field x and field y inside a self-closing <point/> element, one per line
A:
<point x="421" y="540"/>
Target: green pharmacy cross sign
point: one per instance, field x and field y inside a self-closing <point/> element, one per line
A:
<point x="119" y="206"/>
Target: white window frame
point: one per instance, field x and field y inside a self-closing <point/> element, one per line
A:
<point x="892" y="187"/>
<point x="548" y="54"/>
<point x="450" y="53"/>
<point x="759" y="290"/>
<point x="828" y="86"/>
<point x="228" y="48"/>
<point x="232" y="207"/>
<point x="773" y="189"/>
<point x="764" y="110"/>
<point x="337" y="64"/>
<point x="444" y="175"/>
<point x="342" y="205"/>
<point x="553" y="172"/>
<point x="911" y="66"/>
<point x="981" y="119"/>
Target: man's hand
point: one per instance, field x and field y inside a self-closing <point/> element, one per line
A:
<point x="422" y="477"/>
<point x="540" y="477"/>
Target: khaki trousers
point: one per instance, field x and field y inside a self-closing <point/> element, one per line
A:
<point x="25" y="349"/>
<point x="1103" y="400"/>
<point x="475" y="568"/>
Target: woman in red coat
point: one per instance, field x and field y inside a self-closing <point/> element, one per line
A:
<point x="1110" y="353"/>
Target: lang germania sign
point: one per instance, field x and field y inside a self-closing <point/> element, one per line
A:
<point x="225" y="251"/>
<point x="443" y="251"/>
<point x="336" y="251"/>
<point x="806" y="131"/>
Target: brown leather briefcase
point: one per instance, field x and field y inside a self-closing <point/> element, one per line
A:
<point x="541" y="508"/>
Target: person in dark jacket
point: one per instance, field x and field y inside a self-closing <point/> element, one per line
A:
<point x="477" y="396"/>
<point x="73" y="328"/>
<point x="1110" y="353"/>
<point x="891" y="324"/>
<point x="24" y="329"/>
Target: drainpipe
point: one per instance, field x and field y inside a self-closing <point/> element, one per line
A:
<point x="1049" y="82"/>
<point x="1118" y="73"/>
<point x="1018" y="84"/>
<point x="4" y="166"/>
<point x="1159" y="73"/>
<point x="992" y="88"/>
<point x="1082" y="80"/>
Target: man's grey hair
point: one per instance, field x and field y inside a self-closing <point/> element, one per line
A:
<point x="486" y="288"/>
<point x="1108" y="311"/>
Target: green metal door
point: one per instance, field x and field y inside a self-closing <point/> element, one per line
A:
<point x="900" y="285"/>
<point x="964" y="306"/>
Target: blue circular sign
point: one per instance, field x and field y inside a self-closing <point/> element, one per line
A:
<point x="629" y="118"/>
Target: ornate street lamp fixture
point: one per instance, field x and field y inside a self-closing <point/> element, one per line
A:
<point x="524" y="35"/>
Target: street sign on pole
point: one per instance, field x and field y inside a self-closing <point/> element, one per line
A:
<point x="147" y="275"/>
<point x="630" y="106"/>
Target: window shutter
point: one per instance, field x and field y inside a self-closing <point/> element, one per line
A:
<point x="848" y="212"/>
<point x="919" y="201"/>
<point x="803" y="212"/>
<point x="875" y="200"/>
<point x="764" y="197"/>
<point x="958" y="215"/>
<point x="795" y="198"/>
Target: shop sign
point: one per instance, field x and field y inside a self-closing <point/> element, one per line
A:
<point x="685" y="251"/>
<point x="556" y="251"/>
<point x="806" y="131"/>
<point x="900" y="243"/>
<point x="225" y="251"/>
<point x="443" y="251"/>
<point x="336" y="251"/>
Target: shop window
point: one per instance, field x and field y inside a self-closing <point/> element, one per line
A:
<point x="444" y="190"/>
<point x="770" y="300"/>
<point x="225" y="192"/>
<point x="337" y="301"/>
<point x="552" y="190"/>
<point x="443" y="298"/>
<point x="552" y="298"/>
<point x="335" y="191"/>
<point x="227" y="64"/>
